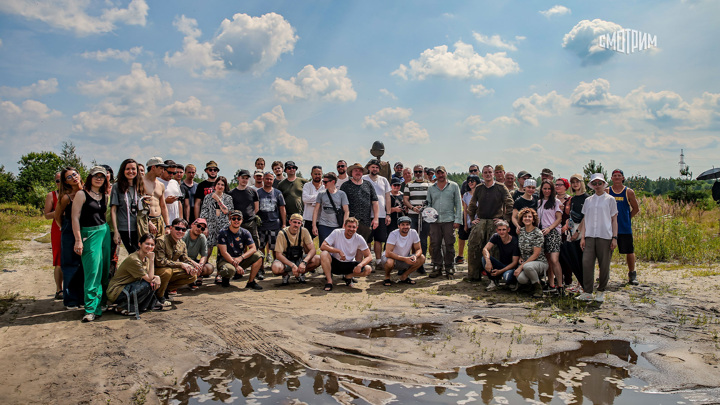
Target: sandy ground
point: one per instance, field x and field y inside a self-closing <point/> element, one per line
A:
<point x="49" y="357"/>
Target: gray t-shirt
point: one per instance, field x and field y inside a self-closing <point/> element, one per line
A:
<point x="124" y="202"/>
<point x="327" y="216"/>
<point x="195" y="248"/>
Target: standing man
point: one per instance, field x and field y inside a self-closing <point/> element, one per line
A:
<point x="362" y="202"/>
<point x="271" y="212"/>
<point x="294" y="252"/>
<point x="377" y="150"/>
<point x="510" y="182"/>
<point x="188" y="188"/>
<point x="415" y="199"/>
<point x="172" y="190"/>
<point x="627" y="207"/>
<point x="206" y="186"/>
<point x="398" y="174"/>
<point x="402" y="252"/>
<point x="260" y="164"/>
<point x="309" y="193"/>
<point x="382" y="190"/>
<point x="598" y="237"/>
<point x="237" y="252"/>
<point x="342" y="175"/>
<point x="500" y="174"/>
<point x="547" y="174"/>
<point x="444" y="197"/>
<point x="246" y="200"/>
<point x="153" y="216"/>
<point x="258" y="180"/>
<point x="521" y="177"/>
<point x="277" y="168"/>
<point x="339" y="251"/>
<point x="292" y="189"/>
<point x="172" y="263"/>
<point x="473" y="170"/>
<point x="490" y="202"/>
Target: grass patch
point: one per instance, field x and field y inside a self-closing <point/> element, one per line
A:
<point x="44" y="239"/>
<point x="17" y="221"/>
<point x="6" y="300"/>
<point x="703" y="272"/>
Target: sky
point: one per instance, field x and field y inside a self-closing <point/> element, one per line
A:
<point x="523" y="84"/>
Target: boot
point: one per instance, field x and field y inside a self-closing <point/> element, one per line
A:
<point x="632" y="278"/>
<point x="537" y="290"/>
<point x="437" y="272"/>
<point x="450" y="272"/>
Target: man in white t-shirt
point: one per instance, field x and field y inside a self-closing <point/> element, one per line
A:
<point x="172" y="191"/>
<point x="338" y="253"/>
<point x="382" y="189"/>
<point x="402" y="252"/>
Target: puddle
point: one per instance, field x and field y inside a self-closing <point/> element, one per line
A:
<point x="556" y="379"/>
<point x="405" y="330"/>
<point x="351" y="359"/>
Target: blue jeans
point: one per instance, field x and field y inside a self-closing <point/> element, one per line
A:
<point x="71" y="265"/>
<point x="324" y="232"/>
<point x="508" y="275"/>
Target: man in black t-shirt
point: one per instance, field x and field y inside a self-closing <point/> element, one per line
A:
<point x="362" y="201"/>
<point x="509" y="256"/>
<point x="245" y="200"/>
<point x="237" y="252"/>
<point x="207" y="186"/>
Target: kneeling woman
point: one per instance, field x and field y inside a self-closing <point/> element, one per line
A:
<point x="136" y="279"/>
<point x="533" y="263"/>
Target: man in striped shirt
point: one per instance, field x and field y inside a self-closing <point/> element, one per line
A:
<point x="415" y="198"/>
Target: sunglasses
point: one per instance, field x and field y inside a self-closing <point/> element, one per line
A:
<point x="236" y="219"/>
<point x="291" y="168"/>
<point x="212" y="169"/>
<point x="170" y="173"/>
<point x="326" y="181"/>
<point x="396" y="185"/>
<point x="474" y="171"/>
<point x="57" y="181"/>
<point x="597" y="183"/>
<point x="418" y="172"/>
<point x="201" y="227"/>
<point x="179" y="228"/>
<point x="340" y="166"/>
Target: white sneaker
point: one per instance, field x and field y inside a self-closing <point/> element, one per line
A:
<point x="491" y="287"/>
<point x="584" y="297"/>
<point x="600" y="296"/>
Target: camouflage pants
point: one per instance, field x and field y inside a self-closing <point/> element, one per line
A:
<point x="480" y="234"/>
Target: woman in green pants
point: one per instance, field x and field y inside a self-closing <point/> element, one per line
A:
<point x="92" y="239"/>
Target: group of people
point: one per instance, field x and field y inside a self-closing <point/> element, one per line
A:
<point x="170" y="226"/>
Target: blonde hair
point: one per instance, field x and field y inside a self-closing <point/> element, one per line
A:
<point x="582" y="183"/>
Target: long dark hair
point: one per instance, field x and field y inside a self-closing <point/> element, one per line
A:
<point x="550" y="203"/>
<point x="88" y="184"/>
<point x="66" y="188"/>
<point x="124" y="184"/>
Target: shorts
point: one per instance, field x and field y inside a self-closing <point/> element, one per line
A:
<point x="226" y="269"/>
<point x="365" y="231"/>
<point x="399" y="265"/>
<point x="463" y="234"/>
<point x="553" y="241"/>
<point x="625" y="243"/>
<point x="267" y="236"/>
<point x="342" y="268"/>
<point x="380" y="234"/>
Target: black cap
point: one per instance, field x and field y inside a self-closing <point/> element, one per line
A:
<point x="396" y="180"/>
<point x="290" y="164"/>
<point x="242" y="172"/>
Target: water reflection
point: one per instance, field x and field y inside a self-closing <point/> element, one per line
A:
<point x="405" y="330"/>
<point x="560" y="379"/>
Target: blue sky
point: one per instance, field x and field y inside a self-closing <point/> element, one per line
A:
<point x="453" y="83"/>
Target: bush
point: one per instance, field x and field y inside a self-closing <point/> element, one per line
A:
<point x="7" y="185"/>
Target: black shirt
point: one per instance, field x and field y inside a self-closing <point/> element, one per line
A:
<point x="93" y="211"/>
<point x="360" y="198"/>
<point x="507" y="251"/>
<point x="244" y="201"/>
<point x="521" y="203"/>
<point x="203" y="189"/>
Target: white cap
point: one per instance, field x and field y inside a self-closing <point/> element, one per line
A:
<point x="597" y="176"/>
<point x="530" y="183"/>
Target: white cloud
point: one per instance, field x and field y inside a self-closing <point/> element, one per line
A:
<point x="480" y="91"/>
<point x="528" y="109"/>
<point x="463" y="63"/>
<point x="496" y="41"/>
<point x="327" y="84"/>
<point x="476" y="126"/>
<point x="555" y="10"/>
<point x="595" y="96"/>
<point x="582" y="40"/>
<point x="72" y="15"/>
<point x="266" y="134"/>
<point x="245" y="44"/>
<point x="102" y="56"/>
<point x="388" y="93"/>
<point x="37" y="89"/>
<point x="26" y="116"/>
<point x="136" y="90"/>
<point x="396" y="121"/>
<point x="192" y="108"/>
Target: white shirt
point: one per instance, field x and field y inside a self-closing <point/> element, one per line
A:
<point x="340" y="182"/>
<point x="403" y="244"/>
<point x="349" y="247"/>
<point x="172" y="188"/>
<point x="309" y="194"/>
<point x="599" y="210"/>
<point x="382" y="187"/>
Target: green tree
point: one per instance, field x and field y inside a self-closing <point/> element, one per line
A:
<point x="69" y="157"/>
<point x="591" y="168"/>
<point x="37" y="177"/>
<point x="7" y="185"/>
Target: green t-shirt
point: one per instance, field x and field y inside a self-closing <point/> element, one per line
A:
<point x="130" y="270"/>
<point x="196" y="248"/>
<point x="292" y="193"/>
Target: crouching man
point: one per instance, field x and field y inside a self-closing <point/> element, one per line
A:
<point x="339" y="252"/>
<point x="294" y="252"/>
<point x="237" y="252"/>
<point x="172" y="263"/>
<point x="197" y="250"/>
<point x="402" y="252"/>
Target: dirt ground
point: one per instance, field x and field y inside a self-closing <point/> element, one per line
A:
<point x="49" y="357"/>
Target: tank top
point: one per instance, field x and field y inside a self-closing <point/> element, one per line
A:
<point x="623" y="217"/>
<point x="93" y="211"/>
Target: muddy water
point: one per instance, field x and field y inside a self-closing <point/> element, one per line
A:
<point x="405" y="330"/>
<point x="561" y="378"/>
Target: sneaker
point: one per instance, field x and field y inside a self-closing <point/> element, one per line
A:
<point x="301" y="279"/>
<point x="253" y="285"/>
<point x="261" y="274"/>
<point x="173" y="292"/>
<point x="421" y="270"/>
<point x="514" y="287"/>
<point x="584" y="297"/>
<point x="88" y="318"/>
<point x="575" y="288"/>
<point x="286" y="278"/>
<point x="491" y="287"/>
<point x="225" y="282"/>
<point x="600" y="296"/>
<point x="459" y="260"/>
<point x="237" y="276"/>
<point x="71" y="307"/>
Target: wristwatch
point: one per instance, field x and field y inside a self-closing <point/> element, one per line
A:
<point x="614" y="237"/>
